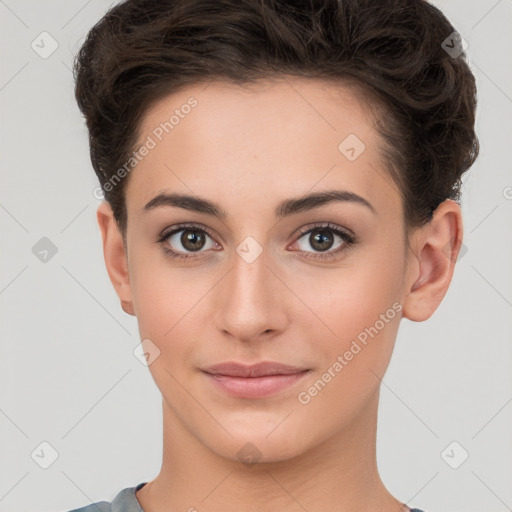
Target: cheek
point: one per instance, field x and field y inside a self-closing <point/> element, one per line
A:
<point x="167" y="304"/>
<point x="166" y="301"/>
<point x="364" y="312"/>
<point x="358" y="308"/>
<point x="171" y="307"/>
<point x="162" y="290"/>
<point x="348" y="299"/>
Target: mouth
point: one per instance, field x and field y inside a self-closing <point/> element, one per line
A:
<point x="254" y="381"/>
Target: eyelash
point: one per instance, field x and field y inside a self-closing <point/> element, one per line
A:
<point x="348" y="238"/>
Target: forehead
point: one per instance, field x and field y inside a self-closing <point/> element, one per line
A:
<point x="282" y="137"/>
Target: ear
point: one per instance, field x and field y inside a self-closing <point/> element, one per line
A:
<point x="114" y="253"/>
<point x="431" y="261"/>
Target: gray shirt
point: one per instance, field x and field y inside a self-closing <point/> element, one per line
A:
<point x="126" y="501"/>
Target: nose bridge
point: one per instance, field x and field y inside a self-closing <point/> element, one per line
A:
<point x="249" y="280"/>
<point x="250" y="302"/>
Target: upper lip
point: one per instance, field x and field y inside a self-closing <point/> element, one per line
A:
<point x="235" y="369"/>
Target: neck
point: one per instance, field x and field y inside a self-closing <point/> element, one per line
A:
<point x="339" y="475"/>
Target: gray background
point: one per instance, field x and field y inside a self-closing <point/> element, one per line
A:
<point x="68" y="373"/>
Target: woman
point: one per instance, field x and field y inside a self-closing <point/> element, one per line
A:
<point x="281" y="187"/>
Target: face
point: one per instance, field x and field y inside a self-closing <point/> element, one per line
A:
<point x="262" y="274"/>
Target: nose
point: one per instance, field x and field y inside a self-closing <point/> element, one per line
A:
<point x="251" y="302"/>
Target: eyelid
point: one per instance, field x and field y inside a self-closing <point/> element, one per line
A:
<point x="327" y="225"/>
<point x="185" y="225"/>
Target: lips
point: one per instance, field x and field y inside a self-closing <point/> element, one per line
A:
<point x="259" y="380"/>
<point x="265" y="368"/>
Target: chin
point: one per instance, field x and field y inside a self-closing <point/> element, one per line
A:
<point x="261" y="442"/>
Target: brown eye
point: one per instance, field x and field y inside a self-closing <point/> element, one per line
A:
<point x="322" y="239"/>
<point x="184" y="240"/>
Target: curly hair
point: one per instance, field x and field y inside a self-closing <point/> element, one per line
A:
<point x="143" y="50"/>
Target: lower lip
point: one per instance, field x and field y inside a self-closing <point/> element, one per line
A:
<point x="255" y="387"/>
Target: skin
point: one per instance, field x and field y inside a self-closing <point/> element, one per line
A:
<point x="248" y="149"/>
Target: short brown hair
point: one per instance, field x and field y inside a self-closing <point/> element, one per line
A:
<point x="142" y="50"/>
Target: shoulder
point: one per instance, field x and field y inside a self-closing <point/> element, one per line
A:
<point x="125" y="501"/>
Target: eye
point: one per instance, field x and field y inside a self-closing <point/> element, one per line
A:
<point x="322" y="238"/>
<point x="185" y="238"/>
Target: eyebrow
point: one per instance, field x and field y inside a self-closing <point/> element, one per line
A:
<point x="283" y="209"/>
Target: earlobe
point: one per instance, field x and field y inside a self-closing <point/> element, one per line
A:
<point x="432" y="261"/>
<point x="115" y="256"/>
